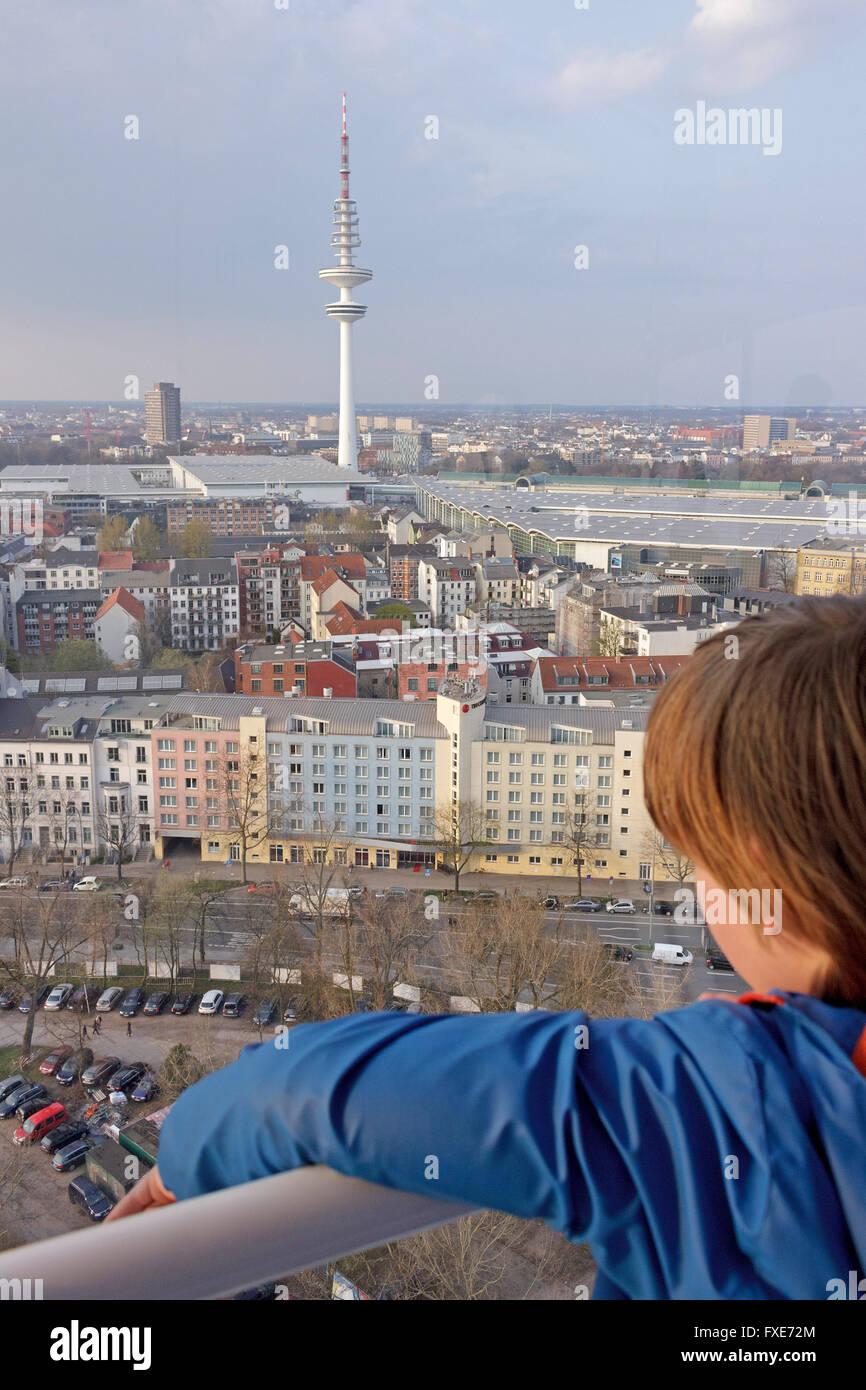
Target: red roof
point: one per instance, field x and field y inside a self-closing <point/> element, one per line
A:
<point x="621" y="673"/>
<point x="312" y="566"/>
<point x="115" y="559"/>
<point x="123" y="599"/>
<point x="341" y="624"/>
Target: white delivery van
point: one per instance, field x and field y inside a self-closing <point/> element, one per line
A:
<point x="671" y="955"/>
<point x="334" y="904"/>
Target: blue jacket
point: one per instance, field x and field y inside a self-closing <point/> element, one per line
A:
<point x="714" y="1152"/>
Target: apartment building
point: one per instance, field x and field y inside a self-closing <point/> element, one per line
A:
<point x="260" y="603"/>
<point x="833" y="565"/>
<point x="571" y="680"/>
<point x="150" y="586"/>
<point x="205" y="605"/>
<point x="496" y="581"/>
<point x="403" y="561"/>
<point x="448" y="586"/>
<point x="229" y="516"/>
<point x="60" y="569"/>
<point x="46" y="617"/>
<point x="360" y="782"/>
<point x="307" y="668"/>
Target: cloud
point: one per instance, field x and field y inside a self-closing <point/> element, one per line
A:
<point x="741" y="43"/>
<point x="595" y="76"/>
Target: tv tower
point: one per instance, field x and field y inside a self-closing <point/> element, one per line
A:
<point x="345" y="275"/>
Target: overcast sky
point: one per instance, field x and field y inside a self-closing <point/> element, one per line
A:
<point x="155" y="256"/>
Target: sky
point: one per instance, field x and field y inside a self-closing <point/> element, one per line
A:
<point x="713" y="273"/>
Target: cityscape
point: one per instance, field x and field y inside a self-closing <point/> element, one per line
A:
<point x="346" y="712"/>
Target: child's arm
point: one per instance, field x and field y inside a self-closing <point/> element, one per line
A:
<point x="584" y="1124"/>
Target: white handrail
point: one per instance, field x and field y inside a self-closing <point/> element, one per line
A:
<point x="219" y="1244"/>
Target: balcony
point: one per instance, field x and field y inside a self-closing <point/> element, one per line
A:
<point x="217" y="1245"/>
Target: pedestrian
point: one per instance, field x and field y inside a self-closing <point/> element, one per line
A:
<point x="84" y="1031"/>
<point x="129" y="1029"/>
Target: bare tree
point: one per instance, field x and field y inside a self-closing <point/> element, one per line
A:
<point x="609" y="639"/>
<point x="460" y="831"/>
<point x="46" y="931"/>
<point x="501" y="954"/>
<point x="780" y="571"/>
<point x="14" y="813"/>
<point x="581" y="835"/>
<point x="117" y="826"/>
<point x="677" y="866"/>
<point x="244" y="783"/>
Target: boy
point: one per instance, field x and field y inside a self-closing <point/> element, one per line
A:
<point x="715" y="1151"/>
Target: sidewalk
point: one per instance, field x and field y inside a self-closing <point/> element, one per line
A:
<point x="562" y="885"/>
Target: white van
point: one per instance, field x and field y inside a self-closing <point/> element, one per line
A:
<point x="671" y="955"/>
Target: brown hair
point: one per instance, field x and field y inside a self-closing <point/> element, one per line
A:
<point x="755" y="766"/>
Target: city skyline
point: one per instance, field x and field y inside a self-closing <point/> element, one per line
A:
<point x="501" y="143"/>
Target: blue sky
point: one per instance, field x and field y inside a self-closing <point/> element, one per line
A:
<point x="154" y="257"/>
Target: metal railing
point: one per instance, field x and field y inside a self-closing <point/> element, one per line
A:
<point x="219" y="1244"/>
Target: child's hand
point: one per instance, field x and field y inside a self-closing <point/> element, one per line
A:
<point x="147" y="1194"/>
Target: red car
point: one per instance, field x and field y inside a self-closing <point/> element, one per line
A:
<point x="54" y="1060"/>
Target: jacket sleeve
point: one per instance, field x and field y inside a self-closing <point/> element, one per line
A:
<point x="550" y="1115"/>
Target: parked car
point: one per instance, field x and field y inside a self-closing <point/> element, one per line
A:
<point x="7" y="999"/>
<point x="91" y="1199"/>
<point x="24" y="1006"/>
<point x="156" y="1002"/>
<point x="264" y="1012"/>
<point x="265" y="885"/>
<point x="661" y="908"/>
<point x="10" y="1084"/>
<point x="550" y="903"/>
<point x="132" y="1002"/>
<point x="99" y="1071"/>
<point x="146" y="1087"/>
<point x="582" y="905"/>
<point x="71" y="1070"/>
<point x="88" y="884"/>
<point x="109" y="999"/>
<point x="50" y="1064"/>
<point x="182" y="1003"/>
<point x="40" y="1124"/>
<point x="401" y="893"/>
<point x="15" y="882"/>
<point x="716" y="961"/>
<point x="233" y="1005"/>
<point x="64" y="1134"/>
<point x="211" y="1002"/>
<point x="621" y="953"/>
<point x="28" y="1090"/>
<point x="621" y="905"/>
<point x="125" y="1076"/>
<point x="71" y="1155"/>
<point x="355" y="890"/>
<point x="53" y="885"/>
<point x="82" y="999"/>
<point x="25" y="1108"/>
<point x="58" y="998"/>
<point x="486" y="897"/>
<point x="292" y="1011"/>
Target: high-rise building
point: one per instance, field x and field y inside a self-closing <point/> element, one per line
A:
<point x="162" y="413"/>
<point x="760" y="431"/>
<point x="345" y="275"/>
